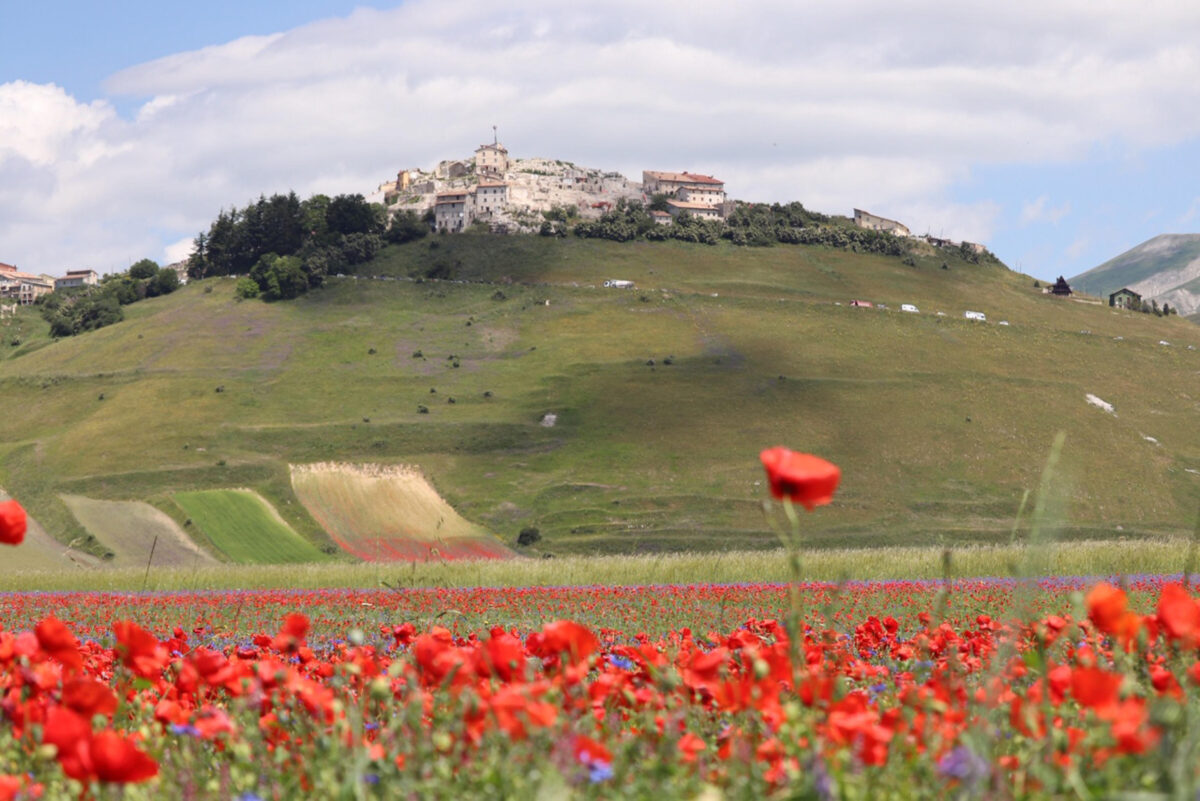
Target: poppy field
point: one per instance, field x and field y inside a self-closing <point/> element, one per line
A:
<point x="967" y="688"/>
<point x="894" y="689"/>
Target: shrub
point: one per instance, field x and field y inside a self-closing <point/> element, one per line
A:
<point x="528" y="536"/>
<point x="246" y="288"/>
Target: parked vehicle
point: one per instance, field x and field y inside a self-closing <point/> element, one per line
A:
<point x="974" y="315"/>
<point x="861" y="303"/>
<point x="617" y="283"/>
<point x="908" y="307"/>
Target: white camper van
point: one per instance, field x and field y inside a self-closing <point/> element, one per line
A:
<point x="974" y="315"/>
<point x="618" y="284"/>
<point x="908" y="307"/>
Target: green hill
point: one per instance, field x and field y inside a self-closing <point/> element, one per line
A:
<point x="660" y="396"/>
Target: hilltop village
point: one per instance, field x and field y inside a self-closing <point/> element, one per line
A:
<point x="511" y="195"/>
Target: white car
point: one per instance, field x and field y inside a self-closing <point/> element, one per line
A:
<point x="908" y="307"/>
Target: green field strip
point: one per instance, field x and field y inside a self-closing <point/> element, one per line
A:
<point x="245" y="529"/>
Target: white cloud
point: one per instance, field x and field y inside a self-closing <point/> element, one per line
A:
<point x="866" y="104"/>
<point x="1040" y="211"/>
<point x="178" y="251"/>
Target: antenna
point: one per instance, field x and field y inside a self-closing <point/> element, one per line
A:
<point x="495" y="140"/>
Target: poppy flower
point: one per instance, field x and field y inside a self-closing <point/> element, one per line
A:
<point x="12" y="523"/>
<point x="1179" y="614"/>
<point x="59" y="643"/>
<point x="139" y="650"/>
<point x="800" y="477"/>
<point x="116" y="759"/>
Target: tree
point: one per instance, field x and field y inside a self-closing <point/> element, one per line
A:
<point x="658" y="201"/>
<point x="164" y="282"/>
<point x="352" y="214"/>
<point x="528" y="536"/>
<point x="406" y="226"/>
<point x="141" y="270"/>
<point x="279" y="277"/>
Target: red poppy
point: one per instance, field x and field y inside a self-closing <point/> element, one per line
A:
<point x="1179" y="614"/>
<point x="12" y="523"/>
<point x="116" y="759"/>
<point x="689" y="746"/>
<point x="89" y="697"/>
<point x="1095" y="688"/>
<point x="800" y="477"/>
<point x="567" y="636"/>
<point x="70" y="734"/>
<point x="57" y="640"/>
<point x="140" y="651"/>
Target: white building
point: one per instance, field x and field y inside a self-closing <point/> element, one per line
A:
<point x="702" y="210"/>
<point x="490" y="197"/>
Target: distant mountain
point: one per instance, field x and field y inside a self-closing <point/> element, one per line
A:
<point x="1165" y="268"/>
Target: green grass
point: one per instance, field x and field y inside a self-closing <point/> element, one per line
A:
<point x="240" y="525"/>
<point x="939" y="424"/>
<point x="1085" y="558"/>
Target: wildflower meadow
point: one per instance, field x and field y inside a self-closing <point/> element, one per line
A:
<point x="1048" y="687"/>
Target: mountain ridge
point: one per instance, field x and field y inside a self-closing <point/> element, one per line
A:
<point x="1164" y="268"/>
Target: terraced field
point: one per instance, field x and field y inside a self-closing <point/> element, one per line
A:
<point x="242" y="527"/>
<point x="381" y="514"/>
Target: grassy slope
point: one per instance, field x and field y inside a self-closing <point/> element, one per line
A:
<point x="239" y="525"/>
<point x="938" y="423"/>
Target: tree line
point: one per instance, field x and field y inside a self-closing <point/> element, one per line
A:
<point x="282" y="246"/>
<point x="750" y="224"/>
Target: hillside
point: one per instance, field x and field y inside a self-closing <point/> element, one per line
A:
<point x="1165" y="269"/>
<point x="660" y="396"/>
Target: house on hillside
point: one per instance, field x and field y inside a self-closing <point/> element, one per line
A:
<point x="490" y="197"/>
<point x="1061" y="288"/>
<point x="450" y="212"/>
<point x="25" y="288"/>
<point x="873" y="222"/>
<point x="702" y="210"/>
<point x="669" y="183"/>
<point x="1125" y="298"/>
<point x="77" y="278"/>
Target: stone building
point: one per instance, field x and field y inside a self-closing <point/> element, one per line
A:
<point x="451" y="211"/>
<point x="490" y="197"/>
<point x="491" y="160"/>
<point x="873" y="222"/>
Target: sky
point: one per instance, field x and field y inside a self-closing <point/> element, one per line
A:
<point x="1058" y="134"/>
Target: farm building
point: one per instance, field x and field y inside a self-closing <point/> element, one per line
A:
<point x="1125" y="298"/>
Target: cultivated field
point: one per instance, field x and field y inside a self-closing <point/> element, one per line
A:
<point x="136" y="533"/>
<point x="385" y="514"/>
<point x="242" y="527"/>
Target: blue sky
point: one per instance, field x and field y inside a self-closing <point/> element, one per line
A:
<point x="1058" y="139"/>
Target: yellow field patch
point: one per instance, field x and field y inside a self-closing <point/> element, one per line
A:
<point x="389" y="513"/>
